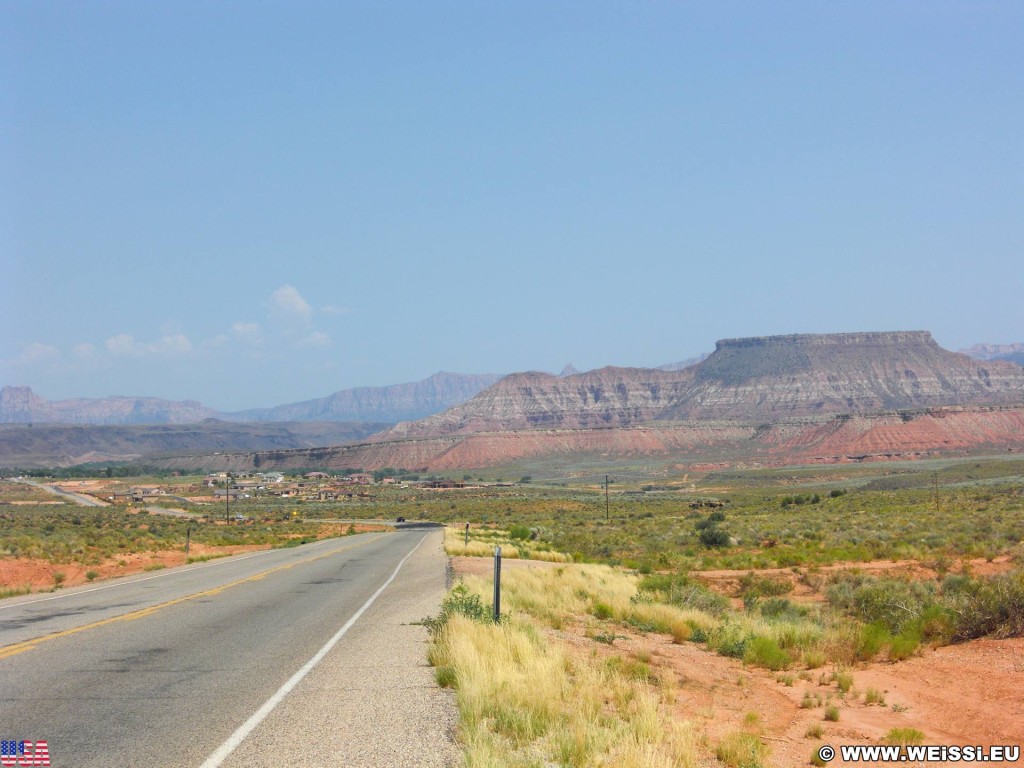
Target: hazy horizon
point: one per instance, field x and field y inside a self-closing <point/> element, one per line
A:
<point x="256" y="204"/>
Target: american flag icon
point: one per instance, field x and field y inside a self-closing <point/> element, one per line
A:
<point x="24" y="753"/>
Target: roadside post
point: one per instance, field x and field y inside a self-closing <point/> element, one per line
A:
<point x="497" y="585"/>
<point x="467" y="534"/>
<point x="188" y="541"/>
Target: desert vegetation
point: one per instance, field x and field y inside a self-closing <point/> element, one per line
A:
<point x="804" y="576"/>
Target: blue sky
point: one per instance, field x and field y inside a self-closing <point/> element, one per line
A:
<point x="251" y="203"/>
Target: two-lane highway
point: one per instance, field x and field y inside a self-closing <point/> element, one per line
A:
<point x="162" y="670"/>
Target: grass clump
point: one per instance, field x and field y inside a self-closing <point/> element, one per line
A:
<point x="741" y="750"/>
<point x="903" y="736"/>
<point x="874" y="696"/>
<point x="832" y="713"/>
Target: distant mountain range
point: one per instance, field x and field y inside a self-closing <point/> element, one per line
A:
<point x="20" y="405"/>
<point x="379" y="405"/>
<point x="829" y="397"/>
<point x="1013" y="353"/>
<point x="811" y="396"/>
<point x="761" y="378"/>
<point x="399" y="402"/>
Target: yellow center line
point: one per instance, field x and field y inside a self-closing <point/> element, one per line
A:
<point x="27" y="645"/>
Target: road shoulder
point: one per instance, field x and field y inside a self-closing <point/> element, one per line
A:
<point x="372" y="701"/>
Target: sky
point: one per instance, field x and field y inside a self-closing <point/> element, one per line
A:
<point x="254" y="203"/>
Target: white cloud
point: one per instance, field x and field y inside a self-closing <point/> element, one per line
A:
<point x="174" y="344"/>
<point x="37" y="354"/>
<point x="286" y="303"/>
<point x="315" y="339"/>
<point x="84" y="351"/>
<point x="247" y="332"/>
<point x="171" y="345"/>
<point x="125" y="345"/>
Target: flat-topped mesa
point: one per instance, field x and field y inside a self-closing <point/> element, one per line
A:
<point x="760" y="378"/>
<point x="779" y="376"/>
<point x="862" y="339"/>
<point x="737" y="361"/>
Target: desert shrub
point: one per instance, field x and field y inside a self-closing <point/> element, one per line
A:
<point x="832" y="714"/>
<point x="781" y="609"/>
<point x="714" y="538"/>
<point x="460" y="601"/>
<point x="682" y="591"/>
<point x="905" y="644"/>
<point x="729" y="640"/>
<point x="519" y="532"/>
<point x="765" y="652"/>
<point x="754" y="587"/>
<point x="872" y="638"/>
<point x="983" y="607"/>
<point x="890" y="603"/>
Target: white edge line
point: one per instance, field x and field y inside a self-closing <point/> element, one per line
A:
<point x="128" y="580"/>
<point x="236" y="738"/>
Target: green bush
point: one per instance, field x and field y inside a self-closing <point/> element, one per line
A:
<point x="872" y="638"/>
<point x="682" y="591"/>
<point x="519" y="533"/>
<point x="905" y="644"/>
<point x="992" y="607"/>
<point x="765" y="652"/>
<point x="460" y="601"/>
<point x="714" y="538"/>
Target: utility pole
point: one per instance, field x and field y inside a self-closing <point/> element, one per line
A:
<point x="935" y="476"/>
<point x="607" y="509"/>
<point x="227" y="499"/>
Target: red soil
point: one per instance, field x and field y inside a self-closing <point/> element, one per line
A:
<point x="38" y="574"/>
<point x="968" y="694"/>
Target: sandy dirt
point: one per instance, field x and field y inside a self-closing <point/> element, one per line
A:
<point x="972" y="693"/>
<point x="40" y="575"/>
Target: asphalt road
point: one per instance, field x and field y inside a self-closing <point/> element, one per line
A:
<point x="163" y="670"/>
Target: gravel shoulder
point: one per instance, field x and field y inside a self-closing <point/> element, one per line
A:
<point x="372" y="701"/>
